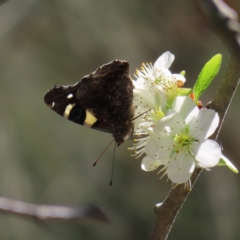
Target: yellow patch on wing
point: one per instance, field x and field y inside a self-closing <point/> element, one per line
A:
<point x="68" y="110"/>
<point x="90" y="119"/>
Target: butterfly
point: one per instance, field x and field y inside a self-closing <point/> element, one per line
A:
<point x="102" y="100"/>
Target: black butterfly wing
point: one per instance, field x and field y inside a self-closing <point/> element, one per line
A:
<point x="62" y="100"/>
<point x="101" y="100"/>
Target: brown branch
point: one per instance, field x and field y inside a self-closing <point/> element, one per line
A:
<point x="50" y="213"/>
<point x="226" y="91"/>
<point x="166" y="212"/>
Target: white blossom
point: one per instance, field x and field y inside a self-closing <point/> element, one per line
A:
<point x="150" y="108"/>
<point x="159" y="75"/>
<point x="179" y="141"/>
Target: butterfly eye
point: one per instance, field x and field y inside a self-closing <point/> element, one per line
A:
<point x="76" y="113"/>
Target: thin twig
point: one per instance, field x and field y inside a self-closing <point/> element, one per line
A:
<point x="50" y="213"/>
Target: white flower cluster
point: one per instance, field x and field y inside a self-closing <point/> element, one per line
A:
<point x="170" y="129"/>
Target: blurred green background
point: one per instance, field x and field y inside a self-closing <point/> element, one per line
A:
<point x="45" y="159"/>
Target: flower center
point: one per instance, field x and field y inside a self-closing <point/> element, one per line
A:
<point x="183" y="142"/>
<point x="169" y="86"/>
<point x="157" y="115"/>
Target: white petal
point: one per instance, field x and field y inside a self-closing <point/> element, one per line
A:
<point x="143" y="98"/>
<point x="179" y="77"/>
<point x="204" y="124"/>
<point x="207" y="153"/>
<point x="140" y="83"/>
<point x="159" y="148"/>
<point x="152" y="146"/>
<point x="148" y="164"/>
<point x="141" y="127"/>
<point x="164" y="74"/>
<point x="179" y="171"/>
<point x="160" y="100"/>
<point x="170" y="124"/>
<point x="164" y="61"/>
<point x="184" y="106"/>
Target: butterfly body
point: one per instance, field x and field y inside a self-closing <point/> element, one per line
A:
<point x="102" y="100"/>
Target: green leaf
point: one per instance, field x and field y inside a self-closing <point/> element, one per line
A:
<point x="225" y="162"/>
<point x="184" y="91"/>
<point x="221" y="163"/>
<point x="208" y="73"/>
<point x="183" y="73"/>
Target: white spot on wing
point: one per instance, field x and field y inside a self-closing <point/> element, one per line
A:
<point x="69" y="96"/>
<point x="52" y="105"/>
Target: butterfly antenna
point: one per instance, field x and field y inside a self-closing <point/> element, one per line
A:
<point x="113" y="164"/>
<point x="140" y="115"/>
<point x="94" y="164"/>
